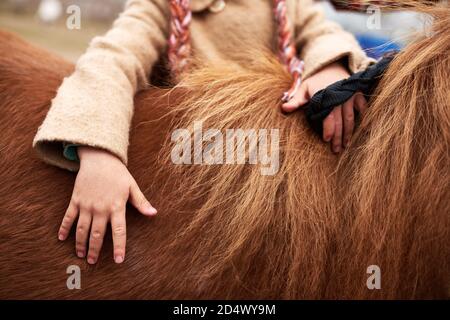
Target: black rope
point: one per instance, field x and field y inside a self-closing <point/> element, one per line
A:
<point x="325" y="100"/>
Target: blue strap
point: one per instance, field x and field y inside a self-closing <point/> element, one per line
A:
<point x="70" y="152"/>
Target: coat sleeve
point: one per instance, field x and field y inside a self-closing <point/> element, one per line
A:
<point x="94" y="106"/>
<point x="321" y="42"/>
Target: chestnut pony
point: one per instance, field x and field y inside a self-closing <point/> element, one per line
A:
<point x="226" y="231"/>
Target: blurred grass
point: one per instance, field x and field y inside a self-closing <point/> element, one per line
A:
<point x="55" y="37"/>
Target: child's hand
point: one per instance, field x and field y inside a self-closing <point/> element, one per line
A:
<point x="338" y="126"/>
<point x="102" y="189"/>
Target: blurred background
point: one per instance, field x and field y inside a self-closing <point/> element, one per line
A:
<point x="43" y="22"/>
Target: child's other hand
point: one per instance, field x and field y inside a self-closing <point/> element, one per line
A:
<point x="102" y="189"/>
<point x="338" y="126"/>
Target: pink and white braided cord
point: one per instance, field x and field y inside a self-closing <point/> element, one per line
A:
<point x="179" y="40"/>
<point x="286" y="49"/>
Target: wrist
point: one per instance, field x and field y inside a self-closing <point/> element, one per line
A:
<point x="341" y="65"/>
<point x="85" y="153"/>
<point x="336" y="69"/>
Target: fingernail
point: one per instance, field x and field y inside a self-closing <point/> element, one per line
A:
<point x="151" y="210"/>
<point x="118" y="259"/>
<point x="91" y="260"/>
<point x="80" y="254"/>
<point x="61" y="237"/>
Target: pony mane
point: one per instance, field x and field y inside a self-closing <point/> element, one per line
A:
<point x="314" y="228"/>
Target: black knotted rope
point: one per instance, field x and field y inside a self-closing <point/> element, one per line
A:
<point x="325" y="100"/>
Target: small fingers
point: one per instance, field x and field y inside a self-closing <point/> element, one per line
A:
<point x="98" y="230"/>
<point x="328" y="127"/>
<point x="336" y="143"/>
<point x="119" y="233"/>
<point x="299" y="99"/>
<point x="348" y="121"/>
<point x="140" y="202"/>
<point x="68" y="220"/>
<point x="360" y="103"/>
<point x="83" y="226"/>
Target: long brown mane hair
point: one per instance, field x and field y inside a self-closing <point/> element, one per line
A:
<point x="226" y="231"/>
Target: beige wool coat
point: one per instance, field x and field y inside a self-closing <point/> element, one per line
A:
<point x="94" y="106"/>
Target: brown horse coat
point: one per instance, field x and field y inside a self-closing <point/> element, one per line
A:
<point x="315" y="240"/>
